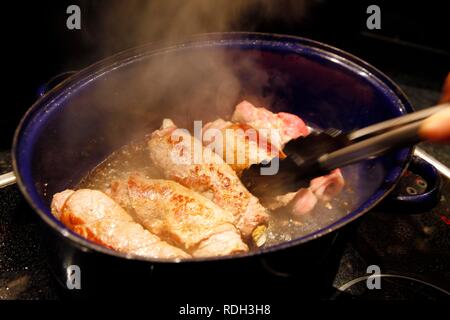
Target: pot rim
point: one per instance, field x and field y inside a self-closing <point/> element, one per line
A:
<point x="127" y="56"/>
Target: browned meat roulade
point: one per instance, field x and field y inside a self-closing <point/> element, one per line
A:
<point x="95" y="216"/>
<point x="182" y="158"/>
<point x="180" y="216"/>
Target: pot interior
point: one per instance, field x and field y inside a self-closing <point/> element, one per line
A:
<point x="77" y="125"/>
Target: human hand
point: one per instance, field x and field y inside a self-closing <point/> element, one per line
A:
<point x="437" y="127"/>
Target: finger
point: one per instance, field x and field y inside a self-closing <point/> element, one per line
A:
<point x="437" y="127"/>
<point x="446" y="90"/>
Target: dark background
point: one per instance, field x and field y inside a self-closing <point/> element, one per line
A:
<point x="37" y="45"/>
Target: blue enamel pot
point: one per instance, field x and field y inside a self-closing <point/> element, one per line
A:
<point x="79" y="122"/>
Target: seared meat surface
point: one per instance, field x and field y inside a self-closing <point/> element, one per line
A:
<point x="283" y="126"/>
<point x="239" y="145"/>
<point x="180" y="216"/>
<point x="252" y="136"/>
<point x="182" y="158"/>
<point x="96" y="217"/>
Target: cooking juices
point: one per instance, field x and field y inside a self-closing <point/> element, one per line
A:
<point x="134" y="158"/>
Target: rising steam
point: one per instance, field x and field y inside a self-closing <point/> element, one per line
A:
<point x="128" y="23"/>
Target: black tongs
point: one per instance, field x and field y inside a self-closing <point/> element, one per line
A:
<point x="323" y="151"/>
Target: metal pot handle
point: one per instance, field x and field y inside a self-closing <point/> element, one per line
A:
<point x="7" y="179"/>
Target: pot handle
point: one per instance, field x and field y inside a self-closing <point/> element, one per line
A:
<point x="420" y="188"/>
<point x="53" y="82"/>
<point x="7" y="179"/>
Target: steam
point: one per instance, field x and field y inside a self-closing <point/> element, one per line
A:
<point x="214" y="84"/>
<point x="129" y="23"/>
<point x="193" y="85"/>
